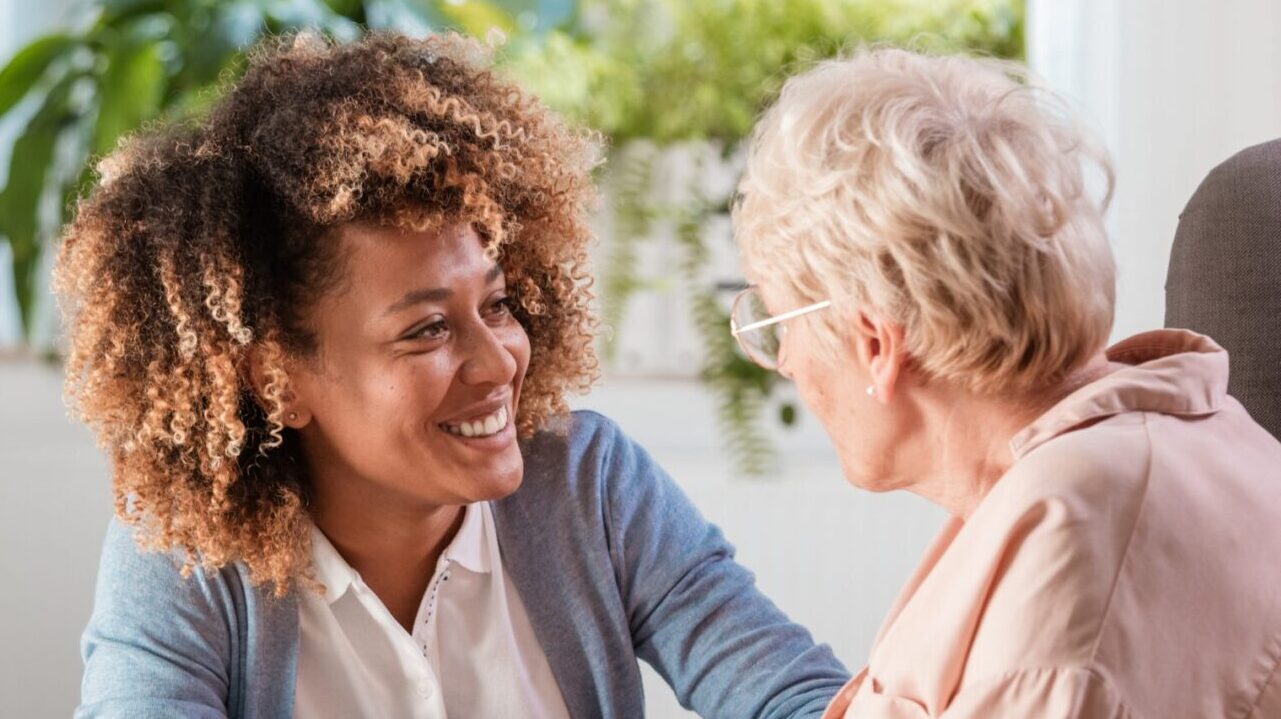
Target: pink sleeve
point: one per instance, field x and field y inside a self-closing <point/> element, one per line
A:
<point x="1066" y="693"/>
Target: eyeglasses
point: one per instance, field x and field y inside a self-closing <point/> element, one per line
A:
<point x="759" y="334"/>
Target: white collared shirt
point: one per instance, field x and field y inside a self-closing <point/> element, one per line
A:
<point x="472" y="652"/>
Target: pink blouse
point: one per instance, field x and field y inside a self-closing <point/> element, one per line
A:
<point x="1127" y="565"/>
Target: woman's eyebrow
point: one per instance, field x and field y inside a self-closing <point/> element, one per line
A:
<point x="434" y="294"/>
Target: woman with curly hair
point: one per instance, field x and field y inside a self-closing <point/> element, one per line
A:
<point x="325" y="337"/>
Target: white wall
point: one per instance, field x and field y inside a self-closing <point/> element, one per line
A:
<point x="55" y="500"/>
<point x="1175" y="87"/>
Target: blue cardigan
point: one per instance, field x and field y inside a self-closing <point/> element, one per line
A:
<point x="611" y="559"/>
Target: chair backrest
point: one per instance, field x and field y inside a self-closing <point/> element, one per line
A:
<point x="1225" y="274"/>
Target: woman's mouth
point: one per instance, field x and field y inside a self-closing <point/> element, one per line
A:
<point x="480" y="427"/>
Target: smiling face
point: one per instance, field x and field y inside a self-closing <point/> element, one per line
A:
<point x="411" y="396"/>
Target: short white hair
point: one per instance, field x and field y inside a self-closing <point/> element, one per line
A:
<point x="945" y="193"/>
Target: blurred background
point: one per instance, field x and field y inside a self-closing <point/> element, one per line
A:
<point x="1172" y="87"/>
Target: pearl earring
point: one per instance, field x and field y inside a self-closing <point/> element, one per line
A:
<point x="293" y="416"/>
<point x="871" y="391"/>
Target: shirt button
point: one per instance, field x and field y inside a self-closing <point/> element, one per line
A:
<point x="424" y="689"/>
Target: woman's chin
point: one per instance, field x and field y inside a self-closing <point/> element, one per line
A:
<point x="501" y="486"/>
<point x="868" y="481"/>
<point x="497" y="478"/>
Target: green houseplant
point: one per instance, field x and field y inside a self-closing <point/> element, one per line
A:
<point x="656" y="77"/>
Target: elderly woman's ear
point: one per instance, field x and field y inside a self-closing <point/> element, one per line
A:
<point x="878" y="345"/>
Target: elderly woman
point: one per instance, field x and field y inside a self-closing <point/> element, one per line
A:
<point x="930" y="270"/>
<point x="325" y="337"/>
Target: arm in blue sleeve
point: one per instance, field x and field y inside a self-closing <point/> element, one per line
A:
<point x="157" y="645"/>
<point x="696" y="615"/>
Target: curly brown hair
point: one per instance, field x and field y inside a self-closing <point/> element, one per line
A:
<point x="205" y="242"/>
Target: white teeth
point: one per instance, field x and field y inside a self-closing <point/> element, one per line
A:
<point x="484" y="427"/>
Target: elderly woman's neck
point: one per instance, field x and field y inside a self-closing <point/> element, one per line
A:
<point x="966" y="446"/>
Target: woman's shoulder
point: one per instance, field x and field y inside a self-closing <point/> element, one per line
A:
<point x="1076" y="495"/>
<point x="584" y="469"/>
<point x="187" y="641"/>
<point x="147" y="576"/>
<point x="1052" y="533"/>
<point x="576" y="451"/>
<point x="581" y="431"/>
<point x="1105" y="464"/>
<point x="1108" y="540"/>
<point x="124" y="559"/>
<point x="133" y="578"/>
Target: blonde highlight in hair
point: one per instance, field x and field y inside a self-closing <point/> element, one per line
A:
<point x="944" y="193"/>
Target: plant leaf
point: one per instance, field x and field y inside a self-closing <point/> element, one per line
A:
<point x="129" y="92"/>
<point x="351" y="9"/>
<point x="28" y="66"/>
<point x="116" y="11"/>
<point x="20" y="200"/>
<point x="228" y="28"/>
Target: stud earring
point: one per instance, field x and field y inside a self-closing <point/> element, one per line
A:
<point x="871" y="391"/>
<point x="293" y="416"/>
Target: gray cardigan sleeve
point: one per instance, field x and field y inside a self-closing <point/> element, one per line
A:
<point x="157" y="645"/>
<point x="696" y="615"/>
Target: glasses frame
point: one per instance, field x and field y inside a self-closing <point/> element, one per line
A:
<point x="738" y="332"/>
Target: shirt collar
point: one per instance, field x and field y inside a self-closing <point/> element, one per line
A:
<point x="470" y="545"/>
<point x="469" y="549"/>
<point x="329" y="566"/>
<point x="1166" y="371"/>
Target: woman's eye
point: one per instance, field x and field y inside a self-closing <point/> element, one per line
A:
<point x="501" y="307"/>
<point x="430" y="331"/>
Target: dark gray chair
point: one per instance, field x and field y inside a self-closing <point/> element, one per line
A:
<point x="1225" y="274"/>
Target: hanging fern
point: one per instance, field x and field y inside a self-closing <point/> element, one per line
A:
<point x="629" y="183"/>
<point x="741" y="388"/>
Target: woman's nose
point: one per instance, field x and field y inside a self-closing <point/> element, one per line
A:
<point x="488" y="360"/>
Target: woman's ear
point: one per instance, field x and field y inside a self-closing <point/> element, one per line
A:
<point x="879" y="346"/>
<point x="261" y="372"/>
